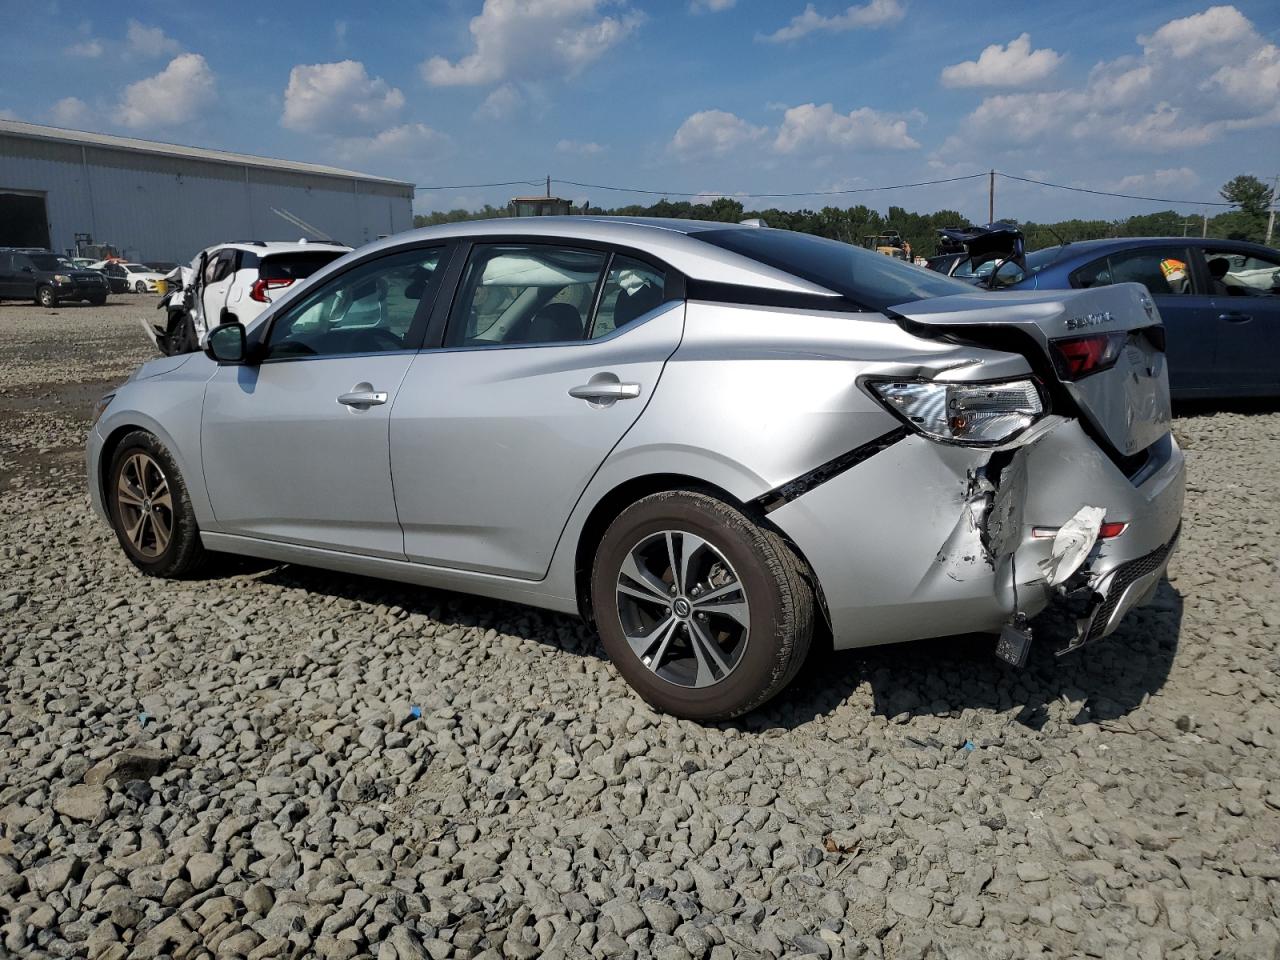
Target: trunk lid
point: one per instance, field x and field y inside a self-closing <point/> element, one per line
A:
<point x="1128" y="403"/>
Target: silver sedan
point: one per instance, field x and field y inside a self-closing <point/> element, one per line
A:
<point x="713" y="441"/>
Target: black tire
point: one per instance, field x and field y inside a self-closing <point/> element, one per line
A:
<point x="183" y="554"/>
<point x="46" y="297"/>
<point x="98" y="301"/>
<point x="139" y="287"/>
<point x="780" y="603"/>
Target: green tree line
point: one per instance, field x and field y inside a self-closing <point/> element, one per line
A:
<point x="853" y="224"/>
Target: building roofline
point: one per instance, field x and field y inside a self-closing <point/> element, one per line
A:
<point x="36" y="131"/>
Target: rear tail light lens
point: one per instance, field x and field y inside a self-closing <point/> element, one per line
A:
<point x="261" y="286"/>
<point x="970" y="413"/>
<point x="1078" y="357"/>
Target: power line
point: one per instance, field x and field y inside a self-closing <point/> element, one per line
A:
<point x="767" y="196"/>
<point x="1107" y="193"/>
<point x="476" y="186"/>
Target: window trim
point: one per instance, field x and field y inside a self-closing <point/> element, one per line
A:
<point x="437" y="333"/>
<point x="418" y="326"/>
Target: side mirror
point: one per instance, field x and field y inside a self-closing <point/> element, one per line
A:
<point x="226" y="344"/>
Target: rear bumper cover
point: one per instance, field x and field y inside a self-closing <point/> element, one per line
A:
<point x="925" y="539"/>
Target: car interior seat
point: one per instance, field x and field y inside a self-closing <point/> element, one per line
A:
<point x="629" y="306"/>
<point x="555" y="321"/>
<point x="1219" y="267"/>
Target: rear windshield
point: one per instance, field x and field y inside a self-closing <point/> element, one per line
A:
<point x="868" y="278"/>
<point x="295" y="266"/>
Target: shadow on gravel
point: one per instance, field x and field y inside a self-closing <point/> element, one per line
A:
<point x="1248" y="406"/>
<point x="939" y="677"/>
<point x="943" y="676"/>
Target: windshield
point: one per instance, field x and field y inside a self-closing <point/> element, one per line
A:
<point x="46" y="261"/>
<point x="870" y="279"/>
<point x="137" y="268"/>
<point x="1042" y="258"/>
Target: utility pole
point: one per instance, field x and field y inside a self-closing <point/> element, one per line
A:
<point x="548" y="184"/>
<point x="991" y="197"/>
<point x="1271" y="220"/>
<point x="1204" y="229"/>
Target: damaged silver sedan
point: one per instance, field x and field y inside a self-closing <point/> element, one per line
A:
<point x="712" y="441"/>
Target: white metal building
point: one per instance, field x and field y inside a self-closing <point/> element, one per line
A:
<point x="160" y="201"/>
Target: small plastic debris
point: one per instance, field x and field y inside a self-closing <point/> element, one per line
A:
<point x="415" y="713"/>
<point x="970" y="745"/>
<point x="143" y="717"/>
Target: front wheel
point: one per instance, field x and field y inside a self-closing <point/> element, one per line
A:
<point x="139" y="287"/>
<point x="150" y="509"/>
<point x="706" y="614"/>
<point x="99" y="300"/>
<point x="46" y="297"/>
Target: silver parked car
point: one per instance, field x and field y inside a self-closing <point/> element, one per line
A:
<point x="712" y="440"/>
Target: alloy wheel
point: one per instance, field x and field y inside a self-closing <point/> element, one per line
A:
<point x="144" y="504"/>
<point x="683" y="608"/>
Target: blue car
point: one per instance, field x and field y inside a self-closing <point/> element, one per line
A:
<point x="1220" y="301"/>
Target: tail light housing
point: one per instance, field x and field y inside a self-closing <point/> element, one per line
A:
<point x="261" y="286"/>
<point x="1078" y="357"/>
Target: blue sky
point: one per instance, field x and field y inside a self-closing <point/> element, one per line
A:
<point x="709" y="96"/>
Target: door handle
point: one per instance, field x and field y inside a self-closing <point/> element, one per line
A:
<point x="1235" y="316"/>
<point x="606" y="390"/>
<point x="362" y="398"/>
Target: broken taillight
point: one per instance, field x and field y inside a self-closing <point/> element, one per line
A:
<point x="1078" y="357"/>
<point x="260" y="287"/>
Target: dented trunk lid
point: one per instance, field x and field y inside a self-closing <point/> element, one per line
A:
<point x="1127" y="404"/>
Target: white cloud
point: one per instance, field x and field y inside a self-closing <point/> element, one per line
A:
<point x="874" y="13"/>
<point x="70" y="112"/>
<point x="815" y="127"/>
<point x="527" y="39"/>
<point x="1174" y="177"/>
<point x="710" y="6"/>
<point x="583" y="148"/>
<point x="177" y="94"/>
<point x="1196" y="79"/>
<point x="714" y="133"/>
<point x="406" y="141"/>
<point x="150" y="41"/>
<point x="501" y="103"/>
<point x="1015" y="65"/>
<point x="89" y="49"/>
<point x="338" y="98"/>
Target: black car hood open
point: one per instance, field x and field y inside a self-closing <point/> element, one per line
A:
<point x="996" y="241"/>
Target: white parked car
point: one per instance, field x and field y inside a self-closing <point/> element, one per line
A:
<point x="234" y="282"/>
<point x="129" y="277"/>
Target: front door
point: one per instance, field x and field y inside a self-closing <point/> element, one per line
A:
<point x="295" y="447"/>
<point x="219" y="274"/>
<point x="551" y="355"/>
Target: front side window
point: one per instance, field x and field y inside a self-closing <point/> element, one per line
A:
<point x="369" y="309"/>
<point x="631" y="289"/>
<point x="525" y="293"/>
<point x="1236" y="274"/>
<point x="1164" y="272"/>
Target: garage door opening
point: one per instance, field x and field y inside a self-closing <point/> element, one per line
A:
<point x="24" y="222"/>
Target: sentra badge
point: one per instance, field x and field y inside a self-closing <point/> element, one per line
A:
<point x="1089" y="320"/>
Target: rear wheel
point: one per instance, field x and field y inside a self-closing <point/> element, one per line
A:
<point x="46" y="297"/>
<point x="705" y="614"/>
<point x="98" y="300"/>
<point x="151" y="510"/>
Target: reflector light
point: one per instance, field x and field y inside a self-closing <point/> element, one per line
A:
<point x="1109" y="530"/>
<point x="1078" y="357"/>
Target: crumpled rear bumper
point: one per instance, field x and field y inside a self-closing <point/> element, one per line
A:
<point x="925" y="539"/>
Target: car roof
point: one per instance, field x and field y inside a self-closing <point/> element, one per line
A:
<point x="670" y="240"/>
<point x="261" y="247"/>
<point x="1081" y="247"/>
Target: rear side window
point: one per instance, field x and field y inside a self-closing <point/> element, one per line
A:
<point x="1163" y="271"/>
<point x="295" y="266"/>
<point x="525" y="293"/>
<point x="869" y="279"/>
<point x="631" y="289"/>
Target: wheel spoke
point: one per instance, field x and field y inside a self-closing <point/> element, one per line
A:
<point x="634" y="571"/>
<point x="734" y="609"/>
<point x="716" y="594"/>
<point x="706" y="651"/>
<point x="134" y="531"/>
<point x="642" y="643"/>
<point x="161" y="531"/>
<point x="127" y="493"/>
<point x="689" y="545"/>
<point x="644" y="595"/>
<point x="671" y="559"/>
<point x="160" y="496"/>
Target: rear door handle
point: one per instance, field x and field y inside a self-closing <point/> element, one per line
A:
<point x="1235" y="317"/>
<point x="362" y="398"/>
<point x="606" y="390"/>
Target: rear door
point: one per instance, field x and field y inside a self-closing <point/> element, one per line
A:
<point x="551" y="354"/>
<point x="8" y="279"/>
<point x="1245" y="294"/>
<point x="219" y="273"/>
<point x="1186" y="309"/>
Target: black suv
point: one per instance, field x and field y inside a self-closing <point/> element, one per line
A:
<point x="47" y="279"/>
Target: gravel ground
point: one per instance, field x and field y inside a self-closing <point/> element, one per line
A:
<point x="283" y="762"/>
